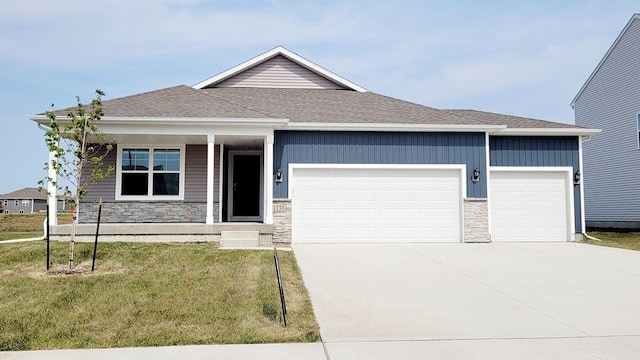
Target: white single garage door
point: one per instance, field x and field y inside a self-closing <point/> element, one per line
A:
<point x="354" y="205"/>
<point x="530" y="205"/>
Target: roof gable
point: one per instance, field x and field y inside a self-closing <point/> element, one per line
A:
<point x="279" y="68"/>
<point x="634" y="18"/>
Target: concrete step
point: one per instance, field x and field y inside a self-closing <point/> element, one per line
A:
<point x="239" y="239"/>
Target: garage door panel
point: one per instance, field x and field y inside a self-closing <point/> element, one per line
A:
<point x="529" y="206"/>
<point x="378" y="205"/>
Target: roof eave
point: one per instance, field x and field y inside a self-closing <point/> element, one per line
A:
<point x="604" y="58"/>
<point x="273" y="53"/>
<point x="393" y="127"/>
<point x="548" y="132"/>
<point x="266" y="122"/>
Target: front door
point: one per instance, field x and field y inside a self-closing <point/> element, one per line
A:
<point x="245" y="186"/>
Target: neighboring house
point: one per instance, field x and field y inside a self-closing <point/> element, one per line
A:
<point x="610" y="100"/>
<point x="285" y="148"/>
<point x="24" y="201"/>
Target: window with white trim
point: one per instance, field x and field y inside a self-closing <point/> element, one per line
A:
<point x="155" y="173"/>
<point x="25" y="202"/>
<point x="6" y="203"/>
<point x="21" y="211"/>
<point x="16" y="202"/>
<point x="638" y="128"/>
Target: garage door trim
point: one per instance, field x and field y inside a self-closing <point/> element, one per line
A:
<point x="460" y="169"/>
<point x="568" y="175"/>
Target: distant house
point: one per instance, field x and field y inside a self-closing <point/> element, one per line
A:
<point x="610" y="100"/>
<point x="288" y="151"/>
<point x="24" y="201"/>
<point x="28" y="201"/>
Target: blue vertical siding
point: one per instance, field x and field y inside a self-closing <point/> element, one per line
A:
<point x="338" y="147"/>
<point x="539" y="151"/>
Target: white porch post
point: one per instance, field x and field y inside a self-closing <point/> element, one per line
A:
<point x="210" y="177"/>
<point x="220" y="181"/>
<point x="53" y="191"/>
<point x="268" y="179"/>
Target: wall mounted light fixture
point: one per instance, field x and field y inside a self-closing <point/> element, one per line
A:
<point x="576" y="178"/>
<point x="279" y="176"/>
<point x="475" y="176"/>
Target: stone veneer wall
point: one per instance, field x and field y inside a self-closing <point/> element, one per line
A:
<point x="146" y="212"/>
<point x="476" y="220"/>
<point x="281" y="221"/>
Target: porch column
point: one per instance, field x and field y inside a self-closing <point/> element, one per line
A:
<point x="268" y="179"/>
<point x="220" y="182"/>
<point x="210" y="177"/>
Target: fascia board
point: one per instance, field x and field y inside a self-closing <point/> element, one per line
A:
<point x="394" y="127"/>
<point x="547" y="132"/>
<point x="604" y="58"/>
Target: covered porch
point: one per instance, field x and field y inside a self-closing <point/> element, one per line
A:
<point x="181" y="181"/>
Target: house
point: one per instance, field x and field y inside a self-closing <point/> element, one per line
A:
<point x="28" y="201"/>
<point x="610" y="100"/>
<point x="24" y="201"/>
<point x="284" y="149"/>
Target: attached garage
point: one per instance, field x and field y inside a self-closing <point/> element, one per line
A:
<point x="371" y="203"/>
<point x="531" y="204"/>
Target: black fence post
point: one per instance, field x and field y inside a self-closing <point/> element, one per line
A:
<point x="283" y="303"/>
<point x="95" y="243"/>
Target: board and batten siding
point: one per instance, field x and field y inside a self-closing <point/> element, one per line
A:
<point x="538" y="151"/>
<point x="195" y="186"/>
<point x="336" y="147"/>
<point x="279" y="72"/>
<point x="611" y="102"/>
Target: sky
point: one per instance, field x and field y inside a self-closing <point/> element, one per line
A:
<point x="525" y="58"/>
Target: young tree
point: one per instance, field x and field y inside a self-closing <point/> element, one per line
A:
<point x="79" y="148"/>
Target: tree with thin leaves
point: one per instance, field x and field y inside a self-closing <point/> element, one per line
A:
<point x="79" y="148"/>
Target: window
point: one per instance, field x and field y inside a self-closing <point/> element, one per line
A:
<point x="6" y="203"/>
<point x="16" y="202"/>
<point x="150" y="173"/>
<point x="21" y="211"/>
<point x="638" y="128"/>
<point x="25" y="202"/>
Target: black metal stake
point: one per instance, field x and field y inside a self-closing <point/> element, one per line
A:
<point x="283" y="303"/>
<point x="48" y="231"/>
<point x="95" y="243"/>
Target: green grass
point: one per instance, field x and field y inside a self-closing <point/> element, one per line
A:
<point x="20" y="226"/>
<point x="148" y="295"/>
<point x="623" y="240"/>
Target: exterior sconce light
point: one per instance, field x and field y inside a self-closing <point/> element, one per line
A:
<point x="475" y="176"/>
<point x="576" y="178"/>
<point x="278" y="176"/>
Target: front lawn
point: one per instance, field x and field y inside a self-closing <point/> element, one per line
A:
<point x="624" y="240"/>
<point x="148" y="295"/>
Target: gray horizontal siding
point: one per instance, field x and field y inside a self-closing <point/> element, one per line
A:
<point x="279" y="72"/>
<point x="538" y="151"/>
<point x="195" y="186"/>
<point x="611" y="101"/>
<point x="105" y="188"/>
<point x="334" y="147"/>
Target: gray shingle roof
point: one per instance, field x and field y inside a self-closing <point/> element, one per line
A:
<point x="301" y="105"/>
<point x="511" y="121"/>
<point x="26" y="193"/>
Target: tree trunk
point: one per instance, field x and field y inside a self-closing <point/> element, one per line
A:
<point x="74" y="217"/>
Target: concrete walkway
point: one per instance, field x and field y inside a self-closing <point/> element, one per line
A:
<point x="475" y="301"/>
<point x="447" y="301"/>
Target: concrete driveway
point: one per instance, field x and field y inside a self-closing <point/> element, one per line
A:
<point x="475" y="301"/>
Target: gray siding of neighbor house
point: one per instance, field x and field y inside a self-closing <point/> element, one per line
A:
<point x="36" y="204"/>
<point x="336" y="147"/>
<point x="611" y="102"/>
<point x="538" y="151"/>
<point x="279" y="72"/>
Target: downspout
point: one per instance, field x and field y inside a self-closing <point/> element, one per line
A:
<point x="582" y="140"/>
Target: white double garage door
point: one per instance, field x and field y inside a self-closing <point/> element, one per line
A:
<point x="424" y="203"/>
